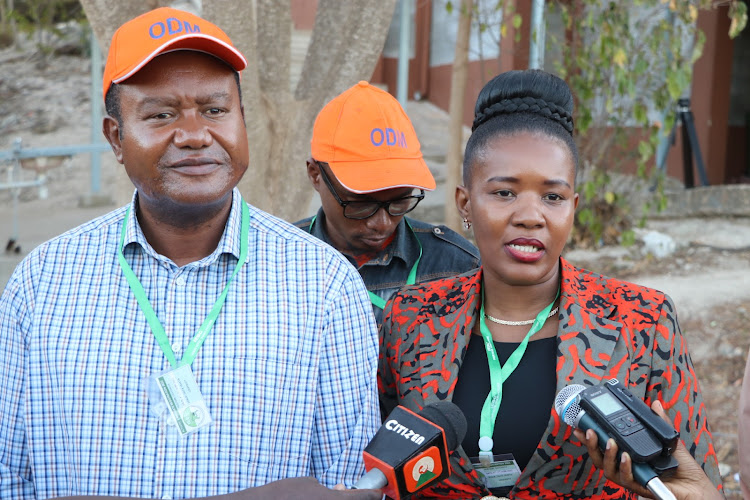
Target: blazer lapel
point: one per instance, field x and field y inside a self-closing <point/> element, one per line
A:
<point x="587" y="337"/>
<point x="442" y="347"/>
<point x="443" y="341"/>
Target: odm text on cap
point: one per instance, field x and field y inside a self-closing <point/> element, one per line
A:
<point x="390" y="136"/>
<point x="172" y="26"/>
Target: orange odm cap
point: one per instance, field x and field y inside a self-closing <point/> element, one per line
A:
<point x="368" y="141"/>
<point x="139" y="40"/>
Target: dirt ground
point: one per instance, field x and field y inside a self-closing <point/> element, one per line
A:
<point x="46" y="103"/>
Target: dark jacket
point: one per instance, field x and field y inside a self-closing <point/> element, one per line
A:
<point x="444" y="253"/>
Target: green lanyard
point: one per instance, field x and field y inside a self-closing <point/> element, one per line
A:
<point x="376" y="300"/>
<point x="499" y="374"/>
<point x="156" y="327"/>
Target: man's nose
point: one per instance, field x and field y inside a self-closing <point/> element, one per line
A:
<point x="380" y="221"/>
<point x="192" y="132"/>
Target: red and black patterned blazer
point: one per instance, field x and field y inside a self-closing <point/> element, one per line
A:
<point x="608" y="328"/>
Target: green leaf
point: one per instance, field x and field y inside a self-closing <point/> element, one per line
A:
<point x="645" y="149"/>
<point x="673" y="86"/>
<point x="738" y="16"/>
<point x="449" y="7"/>
<point x="627" y="238"/>
<point x="640" y="113"/>
<point x="517" y="20"/>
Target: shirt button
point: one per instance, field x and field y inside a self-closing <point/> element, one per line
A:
<point x="437" y="230"/>
<point x="176" y="347"/>
<point x="180" y="281"/>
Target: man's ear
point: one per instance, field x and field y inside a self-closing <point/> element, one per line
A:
<point x="113" y="131"/>
<point x="463" y="202"/>
<point x="313" y="173"/>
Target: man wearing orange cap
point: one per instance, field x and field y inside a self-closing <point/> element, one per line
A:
<point x="187" y="344"/>
<point x="368" y="169"/>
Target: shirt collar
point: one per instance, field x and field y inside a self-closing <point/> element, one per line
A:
<point x="404" y="245"/>
<point x="229" y="243"/>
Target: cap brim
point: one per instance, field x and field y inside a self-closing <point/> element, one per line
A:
<point x="376" y="175"/>
<point x="193" y="41"/>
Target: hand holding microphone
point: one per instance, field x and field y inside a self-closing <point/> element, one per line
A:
<point x="610" y="420"/>
<point x="689" y="482"/>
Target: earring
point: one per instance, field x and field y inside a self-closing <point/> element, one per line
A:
<point x="467" y="224"/>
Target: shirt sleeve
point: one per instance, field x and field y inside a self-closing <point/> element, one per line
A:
<point x="674" y="383"/>
<point x="347" y="401"/>
<point x="15" y="469"/>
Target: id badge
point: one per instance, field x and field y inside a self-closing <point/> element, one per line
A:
<point x="501" y="472"/>
<point x="175" y="397"/>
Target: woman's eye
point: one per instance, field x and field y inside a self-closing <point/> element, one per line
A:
<point x="553" y="197"/>
<point x="504" y="193"/>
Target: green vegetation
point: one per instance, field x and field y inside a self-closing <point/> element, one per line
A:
<point x="37" y="18"/>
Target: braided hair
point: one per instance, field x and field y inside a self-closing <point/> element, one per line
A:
<point x="521" y="101"/>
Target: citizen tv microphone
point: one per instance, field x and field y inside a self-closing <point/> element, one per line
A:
<point x="410" y="450"/>
<point x="607" y="418"/>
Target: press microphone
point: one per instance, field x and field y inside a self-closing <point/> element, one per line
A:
<point x="410" y="450"/>
<point x="567" y="405"/>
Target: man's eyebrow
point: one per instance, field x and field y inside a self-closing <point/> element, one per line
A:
<point x="216" y="96"/>
<point x="174" y="101"/>
<point x="158" y="101"/>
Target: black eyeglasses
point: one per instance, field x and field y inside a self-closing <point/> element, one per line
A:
<point x="363" y="209"/>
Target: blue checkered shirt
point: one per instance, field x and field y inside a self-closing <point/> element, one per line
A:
<point x="288" y="371"/>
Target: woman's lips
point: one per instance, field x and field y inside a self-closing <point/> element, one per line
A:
<point x="525" y="250"/>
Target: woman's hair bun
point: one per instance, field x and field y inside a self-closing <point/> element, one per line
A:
<point x="528" y="91"/>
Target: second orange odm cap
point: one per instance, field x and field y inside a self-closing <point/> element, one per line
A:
<point x="139" y="40"/>
<point x="368" y="141"/>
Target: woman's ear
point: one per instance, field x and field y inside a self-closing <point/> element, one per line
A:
<point x="463" y="202"/>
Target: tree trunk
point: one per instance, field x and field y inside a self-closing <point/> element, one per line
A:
<point x="346" y="41"/>
<point x="105" y="16"/>
<point x="454" y="156"/>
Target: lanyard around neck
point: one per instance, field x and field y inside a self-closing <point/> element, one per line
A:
<point x="376" y="300"/>
<point x="156" y="327"/>
<point x="499" y="374"/>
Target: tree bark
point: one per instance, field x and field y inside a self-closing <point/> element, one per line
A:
<point x="454" y="156"/>
<point x="105" y="16"/>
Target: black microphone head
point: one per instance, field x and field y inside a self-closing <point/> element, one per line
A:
<point x="566" y="403"/>
<point x="450" y="418"/>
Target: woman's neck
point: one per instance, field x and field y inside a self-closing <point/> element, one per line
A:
<point x="517" y="302"/>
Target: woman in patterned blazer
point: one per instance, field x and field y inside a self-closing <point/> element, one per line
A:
<point x="503" y="340"/>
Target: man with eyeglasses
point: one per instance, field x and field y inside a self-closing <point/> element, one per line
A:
<point x="368" y="169"/>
